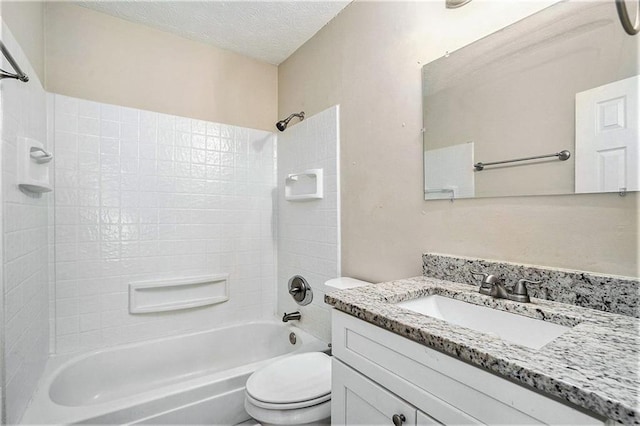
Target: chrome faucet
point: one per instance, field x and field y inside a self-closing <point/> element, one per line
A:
<point x="292" y="316"/>
<point x="491" y="286"/>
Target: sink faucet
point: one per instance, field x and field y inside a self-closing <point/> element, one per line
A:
<point x="491" y="286"/>
<point x="292" y="316"/>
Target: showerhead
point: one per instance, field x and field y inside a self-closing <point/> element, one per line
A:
<point x="282" y="124"/>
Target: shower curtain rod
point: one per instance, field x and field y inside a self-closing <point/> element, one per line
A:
<point x="19" y="75"/>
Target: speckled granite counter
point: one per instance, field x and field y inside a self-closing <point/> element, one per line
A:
<point x="595" y="365"/>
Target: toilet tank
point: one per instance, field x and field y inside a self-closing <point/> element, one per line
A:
<point x="342" y="283"/>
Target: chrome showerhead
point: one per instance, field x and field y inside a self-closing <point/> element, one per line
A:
<point x="282" y="124"/>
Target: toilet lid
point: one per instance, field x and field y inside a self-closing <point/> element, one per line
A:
<point x="296" y="378"/>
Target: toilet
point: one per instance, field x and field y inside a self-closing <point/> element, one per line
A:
<point x="295" y="390"/>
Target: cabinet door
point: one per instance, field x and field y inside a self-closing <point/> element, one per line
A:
<point x="356" y="400"/>
<point x="423" y="419"/>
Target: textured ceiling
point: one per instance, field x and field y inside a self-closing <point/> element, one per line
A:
<point x="266" y="30"/>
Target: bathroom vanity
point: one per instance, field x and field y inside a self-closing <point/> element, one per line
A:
<point x="396" y="365"/>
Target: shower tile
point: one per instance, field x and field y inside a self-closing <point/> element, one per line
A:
<point x="129" y="149"/>
<point x="85" y="108"/>
<point x="90" y="321"/>
<point x="198" y="127"/>
<point x="66" y="141"/>
<point x="88" y="304"/>
<point x="129" y="132"/>
<point x="67" y="325"/>
<point x="157" y="204"/>
<point x="166" y="121"/>
<point x="88" y="126"/>
<point x="109" y="112"/>
<point x="308" y="232"/>
<point x="90" y="340"/>
<point x="129" y="116"/>
<point x="67" y="105"/>
<point x="67" y="308"/>
<point x="68" y="343"/>
<point x="183" y="124"/>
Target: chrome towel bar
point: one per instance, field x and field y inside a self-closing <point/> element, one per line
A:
<point x="19" y="75"/>
<point x="562" y="156"/>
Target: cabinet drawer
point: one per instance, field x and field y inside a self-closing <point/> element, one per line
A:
<point x="449" y="390"/>
<point x="356" y="400"/>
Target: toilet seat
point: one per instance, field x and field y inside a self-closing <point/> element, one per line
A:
<point x="289" y="405"/>
<point x="293" y="382"/>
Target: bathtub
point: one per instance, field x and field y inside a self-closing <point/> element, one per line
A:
<point x="197" y="378"/>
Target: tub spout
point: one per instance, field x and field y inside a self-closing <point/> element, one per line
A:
<point x="292" y="316"/>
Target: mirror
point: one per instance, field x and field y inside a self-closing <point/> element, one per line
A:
<point x="563" y="79"/>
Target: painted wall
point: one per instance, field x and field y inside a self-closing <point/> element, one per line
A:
<point x="309" y="230"/>
<point x="142" y="196"/>
<point x="25" y="240"/>
<point x="368" y="60"/>
<point x="25" y="19"/>
<point x="91" y="55"/>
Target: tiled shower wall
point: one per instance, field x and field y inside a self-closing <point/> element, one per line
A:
<point x="143" y="196"/>
<point x="25" y="245"/>
<point x="309" y="230"/>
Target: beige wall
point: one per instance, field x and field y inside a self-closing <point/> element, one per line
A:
<point x="368" y="60"/>
<point x="25" y="19"/>
<point x="95" y="56"/>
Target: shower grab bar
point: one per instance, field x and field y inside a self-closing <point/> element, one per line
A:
<point x="19" y="75"/>
<point x="562" y="156"/>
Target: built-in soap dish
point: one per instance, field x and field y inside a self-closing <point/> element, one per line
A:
<point x="33" y="166"/>
<point x="180" y="293"/>
<point x="307" y="185"/>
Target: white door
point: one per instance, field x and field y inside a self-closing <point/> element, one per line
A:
<point x="356" y="400"/>
<point x="607" y="156"/>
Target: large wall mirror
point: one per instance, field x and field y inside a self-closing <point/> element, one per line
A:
<point x="560" y="86"/>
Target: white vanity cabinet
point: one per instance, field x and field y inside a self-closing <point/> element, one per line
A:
<point x="364" y="402"/>
<point x="378" y="375"/>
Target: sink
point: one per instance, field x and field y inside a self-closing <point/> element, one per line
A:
<point x="509" y="327"/>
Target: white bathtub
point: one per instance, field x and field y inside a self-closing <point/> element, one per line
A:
<point x="197" y="378"/>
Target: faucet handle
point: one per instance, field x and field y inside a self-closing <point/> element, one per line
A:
<point x="520" y="292"/>
<point x="484" y="275"/>
<point x="488" y="282"/>
<point x="521" y="287"/>
<point x="486" y="278"/>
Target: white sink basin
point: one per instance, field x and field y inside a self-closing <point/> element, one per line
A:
<point x="510" y="327"/>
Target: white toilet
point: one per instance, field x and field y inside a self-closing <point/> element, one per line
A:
<point x="295" y="390"/>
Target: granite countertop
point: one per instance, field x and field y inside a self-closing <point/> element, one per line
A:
<point x="595" y="365"/>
